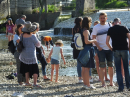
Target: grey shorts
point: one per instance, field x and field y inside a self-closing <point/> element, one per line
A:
<point x="10" y="34"/>
<point x="54" y="61"/>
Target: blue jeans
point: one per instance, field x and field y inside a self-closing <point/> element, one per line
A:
<point x="79" y="69"/>
<point x="105" y="55"/>
<point x="44" y="71"/>
<point x="124" y="54"/>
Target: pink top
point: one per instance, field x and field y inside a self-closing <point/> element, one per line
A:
<point x="10" y="28"/>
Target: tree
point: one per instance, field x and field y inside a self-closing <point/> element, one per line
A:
<point x="41" y="2"/>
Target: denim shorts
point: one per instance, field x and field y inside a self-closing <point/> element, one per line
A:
<point x="54" y="61"/>
<point x="105" y="55"/>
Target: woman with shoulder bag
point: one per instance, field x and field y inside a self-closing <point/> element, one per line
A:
<point x="77" y="29"/>
<point x="84" y="57"/>
<point x="16" y="40"/>
<point x="29" y="66"/>
<point x="40" y="54"/>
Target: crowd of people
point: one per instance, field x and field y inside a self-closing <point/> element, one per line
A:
<point x="33" y="52"/>
<point x="109" y="41"/>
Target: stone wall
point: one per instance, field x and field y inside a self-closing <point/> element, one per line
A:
<point x="35" y="4"/>
<point x="45" y="23"/>
<point x="20" y="6"/>
<point x="4" y="8"/>
<point x="83" y="6"/>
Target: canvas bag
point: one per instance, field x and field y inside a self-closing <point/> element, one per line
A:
<point x="78" y="41"/>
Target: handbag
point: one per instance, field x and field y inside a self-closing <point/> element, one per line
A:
<point x="20" y="46"/>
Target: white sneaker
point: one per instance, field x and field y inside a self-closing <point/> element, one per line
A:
<point x="91" y="80"/>
<point x="80" y="81"/>
<point x="91" y="87"/>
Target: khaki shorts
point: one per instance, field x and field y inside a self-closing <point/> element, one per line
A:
<point x="10" y="34"/>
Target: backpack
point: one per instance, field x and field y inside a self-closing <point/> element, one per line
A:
<point x="11" y="47"/>
<point x="78" y="41"/>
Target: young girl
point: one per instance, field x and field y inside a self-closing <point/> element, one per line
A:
<point x="56" y="54"/>
<point x="9" y="29"/>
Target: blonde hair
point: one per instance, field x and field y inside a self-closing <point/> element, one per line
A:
<point x="37" y="24"/>
<point x="97" y="22"/>
<point x="60" y="44"/>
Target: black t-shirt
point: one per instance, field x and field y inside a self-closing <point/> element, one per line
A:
<point x="118" y="34"/>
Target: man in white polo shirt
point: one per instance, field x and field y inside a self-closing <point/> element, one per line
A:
<point x="104" y="53"/>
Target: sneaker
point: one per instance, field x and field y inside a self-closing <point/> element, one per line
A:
<point x="91" y="80"/>
<point x="80" y="81"/>
<point x="91" y="87"/>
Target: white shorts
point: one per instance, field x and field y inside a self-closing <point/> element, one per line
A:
<point x="10" y="34"/>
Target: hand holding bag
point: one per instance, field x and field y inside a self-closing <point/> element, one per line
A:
<point x="20" y="46"/>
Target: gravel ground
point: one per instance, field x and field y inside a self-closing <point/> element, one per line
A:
<point x="66" y="86"/>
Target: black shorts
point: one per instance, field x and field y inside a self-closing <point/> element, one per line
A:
<point x="31" y="68"/>
<point x="51" y="42"/>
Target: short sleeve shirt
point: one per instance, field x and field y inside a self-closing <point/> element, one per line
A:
<point x="20" y="21"/>
<point x="118" y="34"/>
<point x="47" y="38"/>
<point x="9" y="28"/>
<point x="101" y="32"/>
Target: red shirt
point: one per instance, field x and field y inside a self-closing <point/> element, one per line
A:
<point x="10" y="28"/>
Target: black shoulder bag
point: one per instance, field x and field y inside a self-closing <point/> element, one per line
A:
<point x="20" y="46"/>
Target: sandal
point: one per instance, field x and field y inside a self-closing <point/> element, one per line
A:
<point x="28" y="86"/>
<point x="104" y="86"/>
<point x="111" y="85"/>
<point x="47" y="79"/>
<point x="37" y="86"/>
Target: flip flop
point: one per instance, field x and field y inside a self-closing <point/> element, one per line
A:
<point x="37" y="86"/>
<point x="46" y="79"/>
<point x="28" y="86"/>
<point x="104" y="86"/>
<point x="111" y="85"/>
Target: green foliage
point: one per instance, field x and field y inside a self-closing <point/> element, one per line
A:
<point x="72" y="5"/>
<point x="111" y="3"/>
<point x="2" y="29"/>
<point x="36" y="10"/>
<point x="51" y="8"/>
<point x="116" y="4"/>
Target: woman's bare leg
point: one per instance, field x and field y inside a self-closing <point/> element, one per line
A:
<point x="85" y="72"/>
<point x="27" y="77"/>
<point x="35" y="76"/>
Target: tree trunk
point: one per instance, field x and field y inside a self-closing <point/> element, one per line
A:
<point x="79" y="7"/>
